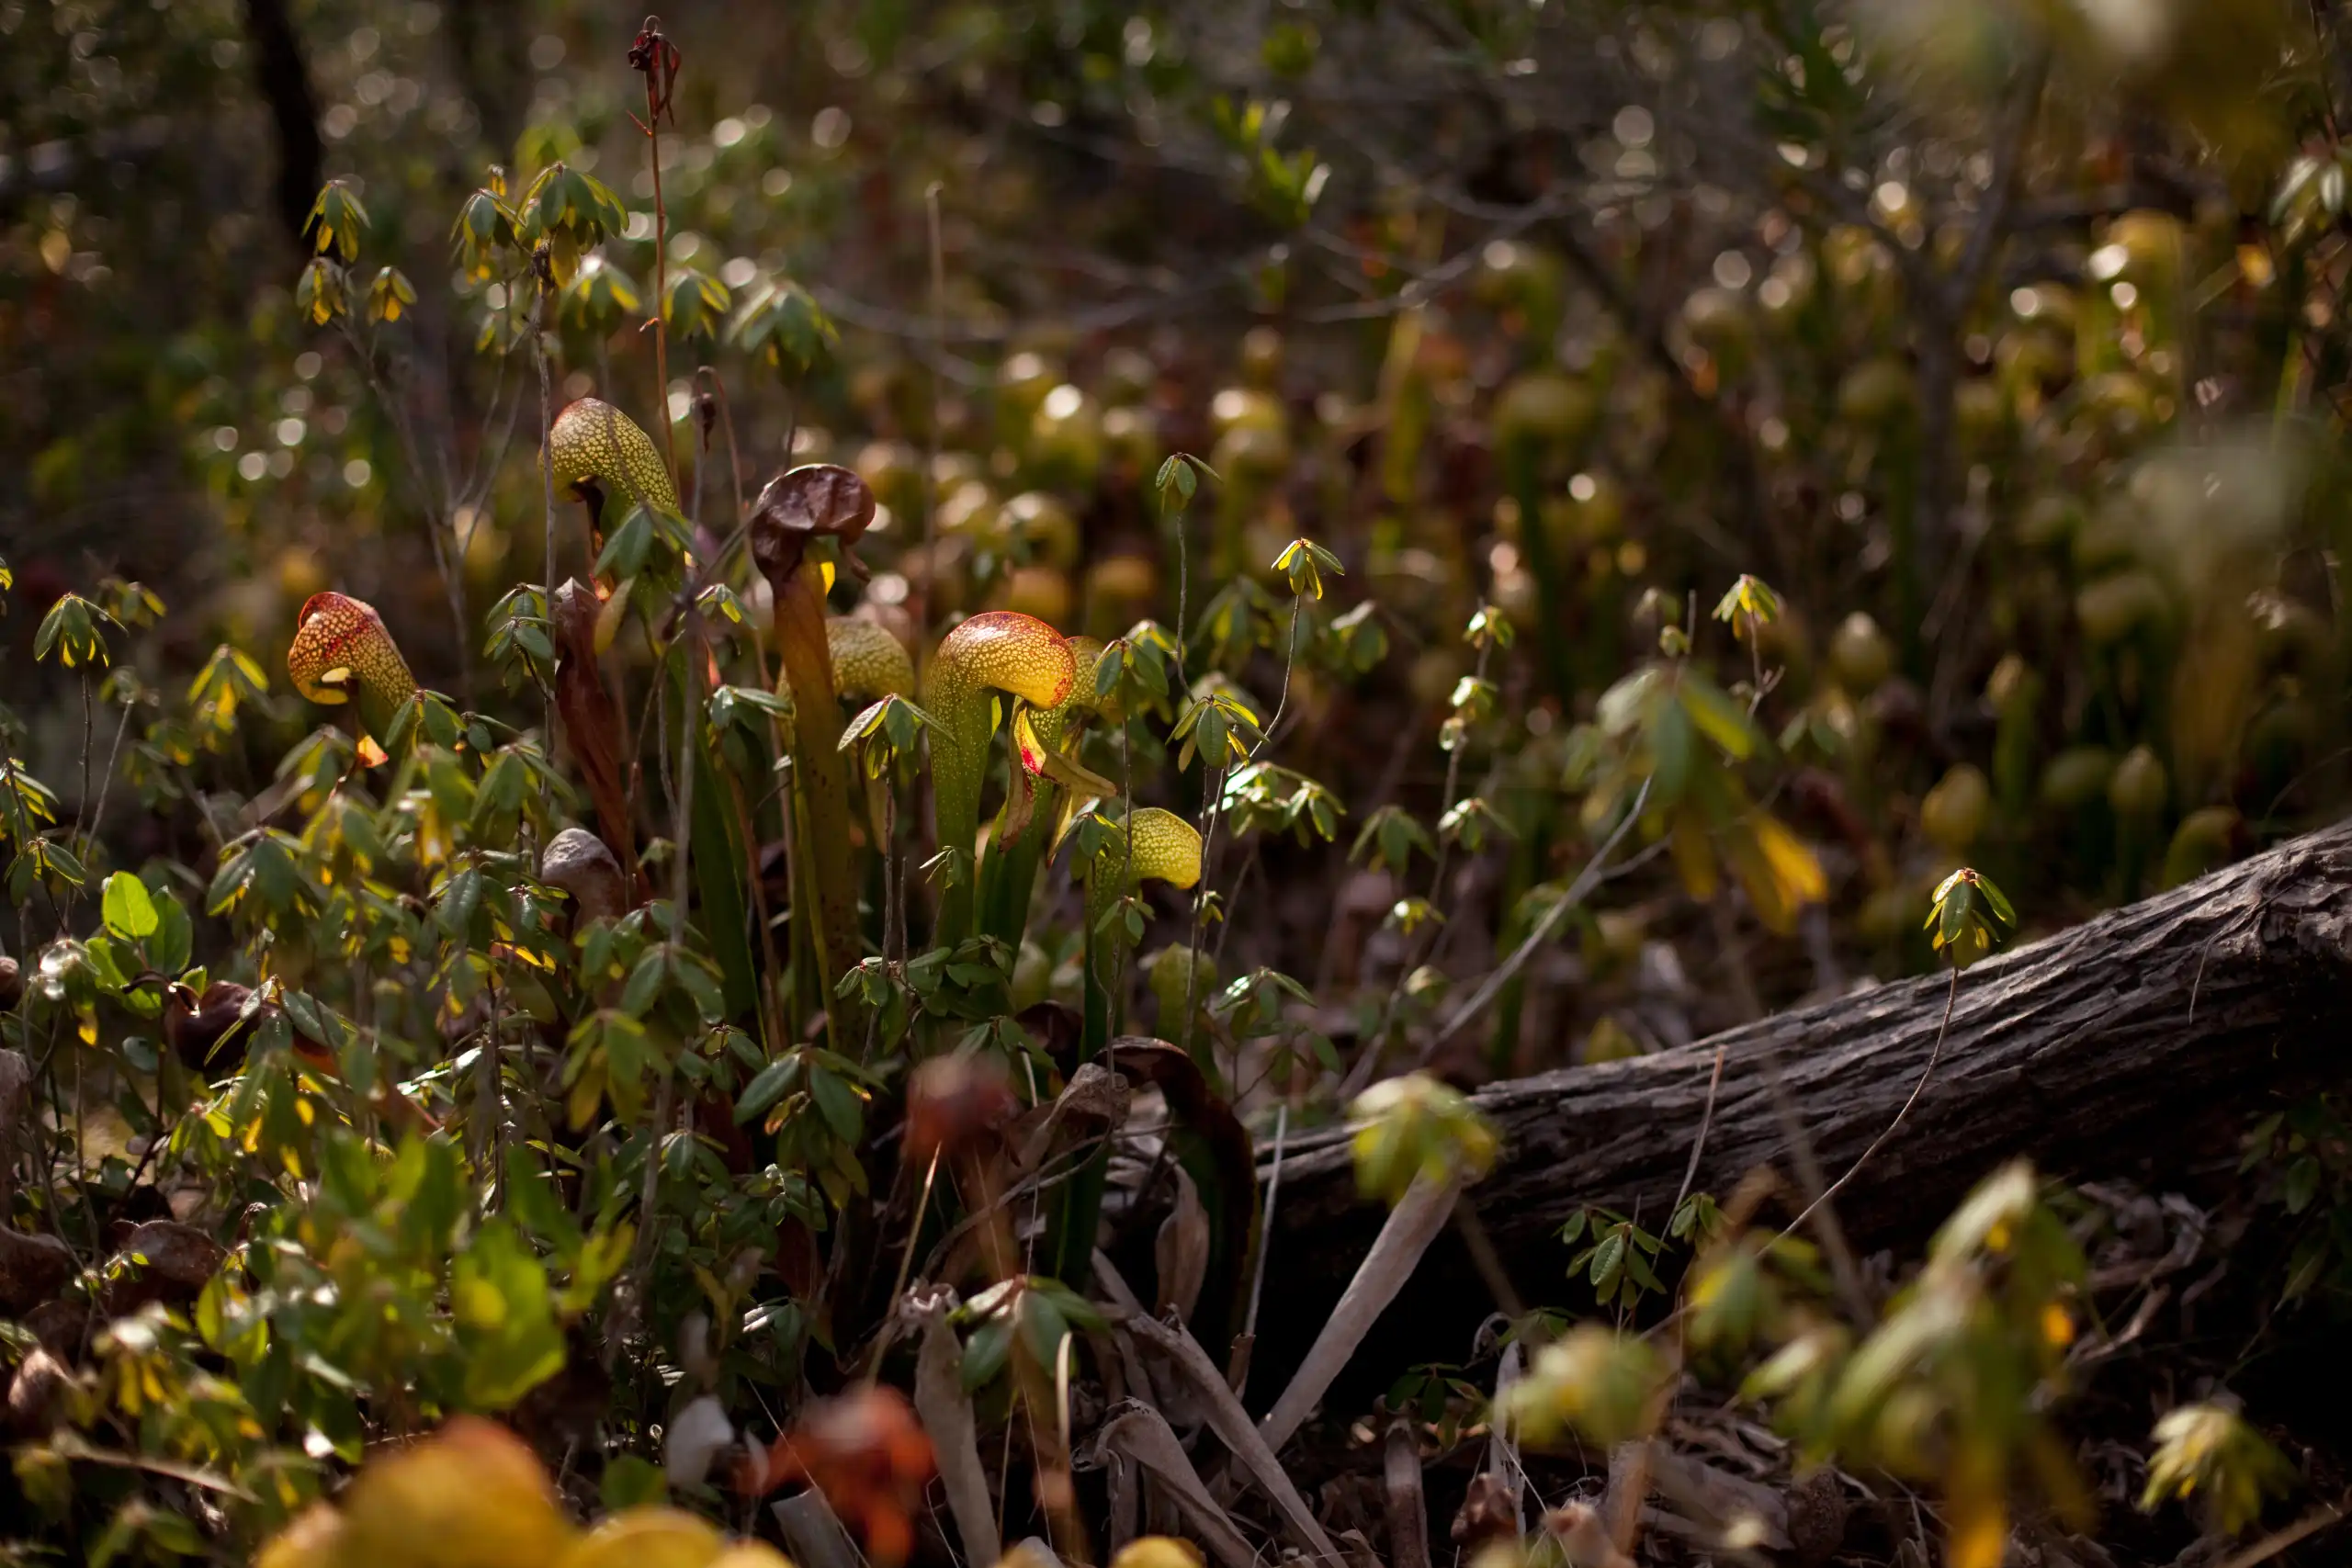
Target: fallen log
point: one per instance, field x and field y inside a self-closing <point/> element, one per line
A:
<point x="2091" y="1052"/>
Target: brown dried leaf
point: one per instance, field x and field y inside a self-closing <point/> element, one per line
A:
<point x="36" y="1394"/>
<point x="1234" y="1429"/>
<point x="1407" y="1499"/>
<point x="1180" y="1251"/>
<point x="162" y="1260"/>
<point x="591" y="721"/>
<point x="946" y="1410"/>
<point x="32" y="1270"/>
<point x="1140" y="1436"/>
<point x="1404" y="1236"/>
<point x="583" y="866"/>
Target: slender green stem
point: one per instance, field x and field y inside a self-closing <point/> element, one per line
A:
<point x="660" y="323"/>
<point x="1935" y="1055"/>
<point x="1522" y="476"/>
<point x="1215" y="811"/>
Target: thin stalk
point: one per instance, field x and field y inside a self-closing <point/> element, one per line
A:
<point x="1935" y="1053"/>
<point x="1417" y="951"/>
<point x="105" y="779"/>
<point x="1183" y="589"/>
<point x="929" y="496"/>
<point x="661" y="320"/>
<point x="689" y="742"/>
<point x="1265" y="1228"/>
<point x="1215" y="791"/>
<point x="437" y="508"/>
<point x="905" y="1261"/>
<point x="1523" y="481"/>
<point x="1578" y="890"/>
<point x="1215" y="804"/>
<point x="771" y="1026"/>
<point x="648" y="1194"/>
<point x="547" y="478"/>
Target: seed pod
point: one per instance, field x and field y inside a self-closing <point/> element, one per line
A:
<point x="1876" y="392"/>
<point x="1551" y="410"/>
<point x="1066" y="439"/>
<point x="1252" y="454"/>
<point x="893" y="471"/>
<point x="1041" y="523"/>
<point x="2077" y="777"/>
<point x="2114" y="607"/>
<point x="1261" y="356"/>
<point x="1720" y="321"/>
<point x="1981" y="410"/>
<point x="2138" y="789"/>
<point x="2049" y="521"/>
<point x="1245" y="408"/>
<point x="2205" y="841"/>
<point x="1859" y="655"/>
<point x="1119" y="591"/>
<point x="1953" y="812"/>
<point x="2119" y="403"/>
<point x="1040" y="590"/>
<point x="1022" y="383"/>
<point x="1131" y="436"/>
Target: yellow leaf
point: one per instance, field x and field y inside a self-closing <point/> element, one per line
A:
<point x="470" y="1496"/>
<point x="1778" y="873"/>
<point x="581" y="1103"/>
<point x="1157" y="1551"/>
<point x="750" y="1554"/>
<point x="1979" y="1536"/>
<point x="2057" y="1326"/>
<point x="1977" y="1507"/>
<point x="648" y="1538"/>
<point x="1693" y="857"/>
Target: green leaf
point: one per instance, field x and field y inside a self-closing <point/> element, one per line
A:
<point x="1672" y="742"/>
<point x="534" y="1201"/>
<point x="70" y="631"/>
<point x="1722" y="720"/>
<point x="129" y="912"/>
<point x="498" y="1294"/>
<point x="842" y="1107"/>
<point x="985" y="1354"/>
<point x="175" y="938"/>
<point x="1043" y="1329"/>
<point x="1608" y="1260"/>
<point x="459" y="897"/>
<point x="632" y="1481"/>
<point x="336" y="221"/>
<point x="771" y="1084"/>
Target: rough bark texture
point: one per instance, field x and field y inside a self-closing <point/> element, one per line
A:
<point x="2090" y="1052"/>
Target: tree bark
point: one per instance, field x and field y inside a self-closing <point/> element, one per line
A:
<point x="2089" y="1052"/>
<point x="284" y="78"/>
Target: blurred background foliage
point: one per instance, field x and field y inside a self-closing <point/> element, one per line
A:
<point x="1993" y="353"/>
<point x="2001" y="339"/>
